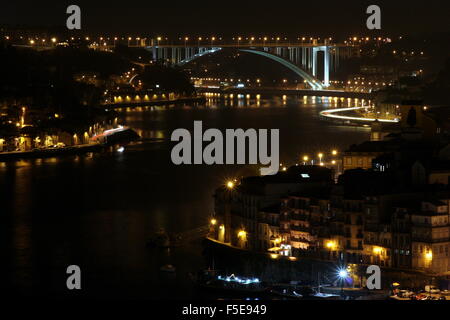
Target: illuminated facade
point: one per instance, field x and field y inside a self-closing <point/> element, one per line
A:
<point x="342" y="227"/>
<point x="249" y="210"/>
<point x="431" y="237"/>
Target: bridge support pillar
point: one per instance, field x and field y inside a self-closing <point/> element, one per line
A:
<point x="304" y="58"/>
<point x="326" y="63"/>
<point x="326" y="76"/>
<point x="292" y="54"/>
<point x="314" y="61"/>
<point x="154" y="53"/>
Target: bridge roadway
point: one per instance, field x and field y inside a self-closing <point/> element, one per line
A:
<point x="253" y="45"/>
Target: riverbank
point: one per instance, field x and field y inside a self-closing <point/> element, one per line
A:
<point x="349" y="116"/>
<point x="119" y="199"/>
<point x="51" y="152"/>
<point x="274" y="91"/>
<point x="307" y="270"/>
<point x="140" y="103"/>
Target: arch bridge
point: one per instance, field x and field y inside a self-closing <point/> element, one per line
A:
<point x="301" y="58"/>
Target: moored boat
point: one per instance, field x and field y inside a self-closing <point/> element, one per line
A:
<point x="287" y="292"/>
<point x="168" y="268"/>
<point x="211" y="281"/>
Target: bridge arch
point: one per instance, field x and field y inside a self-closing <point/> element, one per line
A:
<point x="315" y="83"/>
<point x="312" y="81"/>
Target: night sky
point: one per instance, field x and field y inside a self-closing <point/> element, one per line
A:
<point x="220" y="17"/>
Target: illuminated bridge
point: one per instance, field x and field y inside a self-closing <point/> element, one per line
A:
<point x="300" y="57"/>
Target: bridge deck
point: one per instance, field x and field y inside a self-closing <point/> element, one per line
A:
<point x="251" y="45"/>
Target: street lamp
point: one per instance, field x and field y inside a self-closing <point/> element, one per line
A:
<point x="305" y="159"/>
<point x="320" y="155"/>
<point x="429" y="258"/>
<point x="342" y="274"/>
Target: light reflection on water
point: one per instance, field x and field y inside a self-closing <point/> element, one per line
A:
<point x="97" y="210"/>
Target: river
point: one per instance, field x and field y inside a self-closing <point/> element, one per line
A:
<point x="98" y="210"/>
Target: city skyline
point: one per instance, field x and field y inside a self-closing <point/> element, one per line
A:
<point x="208" y="152"/>
<point x="232" y="18"/>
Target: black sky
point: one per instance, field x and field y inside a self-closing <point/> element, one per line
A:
<point x="226" y="18"/>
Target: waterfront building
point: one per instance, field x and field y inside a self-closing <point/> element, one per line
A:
<point x="358" y="221"/>
<point x="239" y="204"/>
<point x="361" y="156"/>
<point x="430" y="232"/>
<point x="401" y="250"/>
<point x="378" y="211"/>
<point x="268" y="233"/>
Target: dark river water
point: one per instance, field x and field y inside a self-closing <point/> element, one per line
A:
<point x="98" y="210"/>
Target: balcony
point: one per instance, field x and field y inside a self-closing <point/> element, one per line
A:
<point x="354" y="248"/>
<point x="300" y="228"/>
<point x="285" y="230"/>
<point x="336" y="232"/>
<point x="299" y="217"/>
<point x="429" y="239"/>
<point x="303" y="240"/>
<point x="374" y="242"/>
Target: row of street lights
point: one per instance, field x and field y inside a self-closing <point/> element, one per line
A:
<point x="320" y="155"/>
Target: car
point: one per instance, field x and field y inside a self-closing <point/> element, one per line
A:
<point x="421" y="296"/>
<point x="405" y="293"/>
<point x="432" y="289"/>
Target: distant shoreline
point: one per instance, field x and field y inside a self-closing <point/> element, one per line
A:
<point x="50" y="152"/>
<point x="274" y="91"/>
<point x="200" y="99"/>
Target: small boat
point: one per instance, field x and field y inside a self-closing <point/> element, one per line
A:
<point x="231" y="283"/>
<point x="286" y="292"/>
<point x="325" y="296"/>
<point x="168" y="268"/>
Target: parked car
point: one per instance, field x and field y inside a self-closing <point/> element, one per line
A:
<point x="432" y="289"/>
<point x="405" y="293"/>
